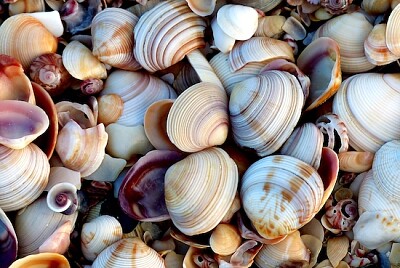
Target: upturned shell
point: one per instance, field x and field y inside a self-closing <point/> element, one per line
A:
<point x="360" y="107"/>
<point x="198" y="118"/>
<point x="200" y="189"/>
<point x="24" y="174"/>
<point x="80" y="149"/>
<point x="14" y="32"/>
<point x="45" y="260"/>
<point x="80" y="113"/>
<point x="202" y="7"/>
<point x="112" y="38"/>
<point x="21" y="123"/>
<point x="263" y="112"/>
<point x="98" y="234"/>
<point x="128" y="252"/>
<point x="171" y="38"/>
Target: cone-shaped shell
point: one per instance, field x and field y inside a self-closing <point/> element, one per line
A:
<point x="264" y="110"/>
<point x="172" y="29"/>
<point x="14" y="33"/>
<point x="128" y="252"/>
<point x="112" y="38"/>
<point x="202" y="7"/>
<point x="21" y="123"/>
<point x="80" y="149"/>
<point x="44" y="260"/>
<point x="359" y="105"/>
<point x="81" y="63"/>
<point x="26" y="172"/>
<point x="200" y="189"/>
<point x="198" y="118"/>
<point x="280" y="194"/>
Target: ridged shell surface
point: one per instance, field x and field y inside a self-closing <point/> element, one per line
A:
<point x="200" y="189"/>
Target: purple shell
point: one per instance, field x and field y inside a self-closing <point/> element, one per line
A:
<point x="8" y="241"/>
<point x="141" y="194"/>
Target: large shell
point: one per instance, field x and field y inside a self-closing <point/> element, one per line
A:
<point x="280" y="194"/>
<point x="200" y="189"/>
<point x="80" y="149"/>
<point x="198" y="118"/>
<point x="24" y="176"/>
<point x="392" y="32"/>
<point x="171" y="39"/>
<point x="21" y="123"/>
<point x="138" y="90"/>
<point x="349" y="31"/>
<point x="112" y="38"/>
<point x="8" y="252"/>
<point x="42" y="260"/>
<point x="14" y="33"/>
<point x="128" y="252"/>
<point x="264" y="110"/>
<point x="359" y="105"/>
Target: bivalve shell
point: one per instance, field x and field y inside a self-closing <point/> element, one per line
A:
<point x="128" y="252"/>
<point x="202" y="7"/>
<point x="45" y="260"/>
<point x="375" y="47"/>
<point x="200" y="189"/>
<point x="392" y="31"/>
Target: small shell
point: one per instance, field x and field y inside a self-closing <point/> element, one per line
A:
<point x="202" y="7"/>
<point x="337" y="248"/>
<point x="108" y="170"/>
<point x="26" y="6"/>
<point x="222" y="41"/>
<point x="80" y="113"/>
<point x="98" y="234"/>
<point x="81" y="63"/>
<point x="42" y="260"/>
<point x="294" y="28"/>
<point x="21" y="123"/>
<point x="128" y="252"/>
<point x="63" y="198"/>
<point x="313" y="228"/>
<point x="314" y="245"/>
<point x="270" y="26"/>
<point x="225" y="239"/>
<point x="264" y="5"/>
<point x="80" y="149"/>
<point x="110" y="108"/>
<point x="352" y="161"/>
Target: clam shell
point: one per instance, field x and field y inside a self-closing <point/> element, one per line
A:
<point x="14" y="32"/>
<point x="314" y="245"/>
<point x="112" y="38"/>
<point x="264" y="5"/>
<point x="294" y="28"/>
<point x="357" y="162"/>
<point x="9" y="241"/>
<point x="337" y="248"/>
<point x="280" y="194"/>
<point x="80" y="113"/>
<point x="198" y="118"/>
<point x="45" y="260"/>
<point x="25" y="174"/>
<point x="375" y="47"/>
<point x="222" y="41"/>
<point x="392" y="31"/>
<point x="108" y="170"/>
<point x="253" y="98"/>
<point x="110" y="108"/>
<point x="26" y="6"/>
<point x="21" y="123"/>
<point x="81" y="63"/>
<point x="225" y="239"/>
<point x="98" y="234"/>
<point x="200" y="189"/>
<point x="202" y="7"/>
<point x="80" y="149"/>
<point x="128" y="252"/>
<point x="171" y="39"/>
<point x="270" y="26"/>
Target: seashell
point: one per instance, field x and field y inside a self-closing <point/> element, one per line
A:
<point x="351" y="45"/>
<point x="225" y="239"/>
<point x="14" y="32"/>
<point x="332" y="126"/>
<point x="227" y="76"/>
<point x="264" y="5"/>
<point x="291" y="250"/>
<point x="51" y="20"/>
<point x="252" y="98"/>
<point x="130" y="252"/>
<point x="314" y="245"/>
<point x="91" y="86"/>
<point x="294" y="28"/>
<point x="155" y="125"/>
<point x="173" y="260"/>
<point x="8" y="240"/>
<point x="138" y="90"/>
<point x="354" y="90"/>
<point x="196" y="210"/>
<point x="337" y="248"/>
<point x="63" y="198"/>
<point x="112" y="35"/>
<point x="171" y="39"/>
<point x="15" y="85"/>
<point x="82" y="114"/>
<point x="120" y="143"/>
<point x="375" y="46"/>
<point x="305" y="143"/>
<point x="201" y="7"/>
<point x="141" y="195"/>
<point x="200" y="241"/>
<point x="80" y="149"/>
<point x="110" y="108"/>
<point x="81" y="63"/>
<point x="196" y="257"/>
<point x="385" y="168"/>
<point x="139" y="10"/>
<point x="358" y="162"/>
<point x="59" y="241"/>
<point x="26" y="6"/>
<point x="108" y="170"/>
<point x="244" y="255"/>
<point x="343" y="215"/>
<point x="343" y="193"/>
<point x="394" y="254"/>
<point x="392" y="32"/>
<point x="222" y="41"/>
<point x="313" y="228"/>
<point x="336" y="7"/>
<point x="186" y="77"/>
<point x="42" y="260"/>
<point x="78" y="16"/>
<point x="198" y="118"/>
<point x="21" y="123"/>
<point x="258" y="49"/>
<point x="375" y="7"/>
<point x="62" y="174"/>
<point x="98" y="234"/>
<point x="55" y="4"/>
<point x="321" y="57"/>
<point x="48" y="222"/>
<point x="270" y="26"/>
<point x="26" y="172"/>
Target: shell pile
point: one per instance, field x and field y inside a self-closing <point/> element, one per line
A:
<point x="199" y="133"/>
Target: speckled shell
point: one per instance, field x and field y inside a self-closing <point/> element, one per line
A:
<point x="280" y="194"/>
<point x="128" y="252"/>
